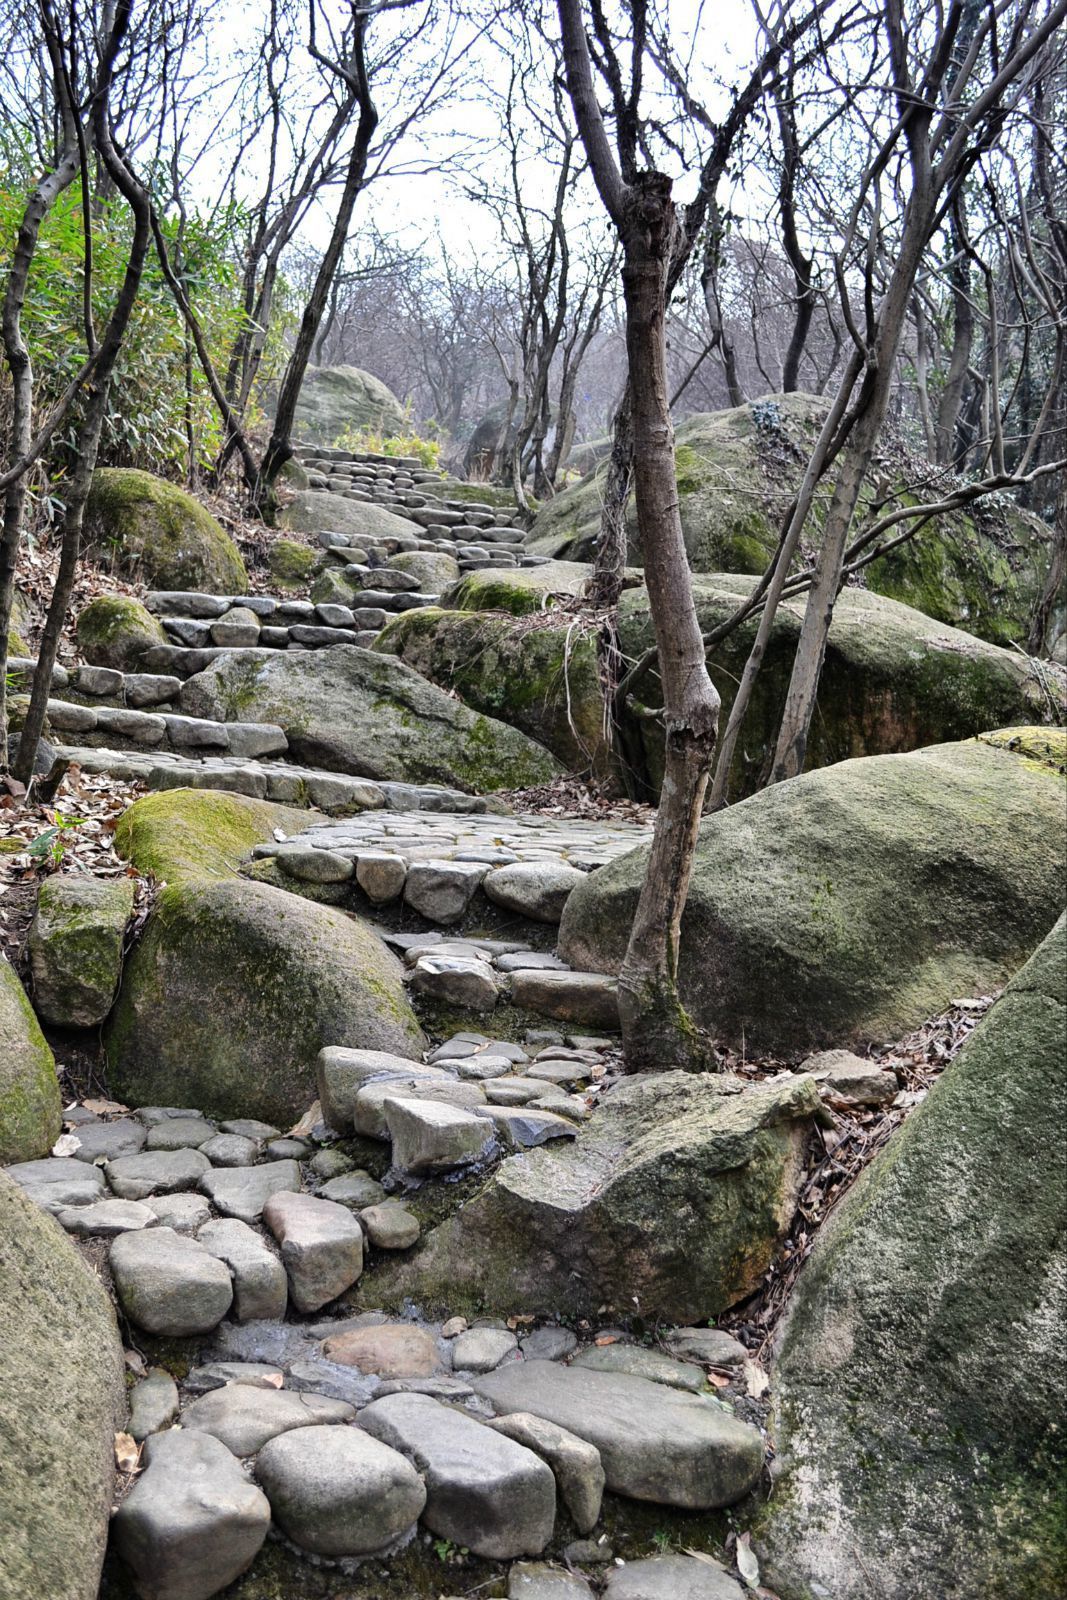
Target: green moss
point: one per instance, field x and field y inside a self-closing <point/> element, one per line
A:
<point x="177" y="835"/>
<point x="114" y="630"/>
<point x="478" y="592"/>
<point x="291" y="563"/>
<point x="154" y="531"/>
<point x="29" y="1090"/>
<point x="1043" y="747"/>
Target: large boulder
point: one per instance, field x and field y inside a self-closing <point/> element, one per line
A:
<point x="542" y="680"/>
<point x="115" y="630"/>
<point x="151" y="530"/>
<point x="918" y="1390"/>
<point x="175" y="835"/>
<point x="737" y="473"/>
<point x="671" y="1201"/>
<point x="522" y="590"/>
<point x="321" y="511"/>
<point x="852" y="903"/>
<point x="893" y="679"/>
<point x="30" y="1108"/>
<point x="351" y="710"/>
<point x="61" y="1399"/>
<point x="337" y="400"/>
<point x="233" y="991"/>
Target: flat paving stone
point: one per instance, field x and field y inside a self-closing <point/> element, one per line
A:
<point x="535" y="889"/>
<point x="641" y="1363"/>
<point x="523" y="1127"/>
<point x="456" y="981"/>
<point x="242" y="1192"/>
<point x="368" y="1112"/>
<point x="153" y="1404"/>
<point x="56" y="1182"/>
<point x="672" y="1578"/>
<point x="156" y="1172"/>
<point x="104" y="1219"/>
<point x="393" y="1350"/>
<point x="429" y="1136"/>
<point x="482" y="1491"/>
<point x="709" y="1346"/>
<point x="182" y="1212"/>
<point x="355" y="1190"/>
<point x="655" y="1443"/>
<point x="536" y="1580"/>
<point x="590" y="998"/>
<point x="108" y="1140"/>
<point x="548" y="1344"/>
<point x="192" y="1522"/>
<point x="339" y="1491"/>
<point x="243" y="1417"/>
<point x="232" y="1150"/>
<point x="260" y="1285"/>
<point x="483" y="1349"/>
<point x="321" y="1246"/>
<point x="180" y="1133"/>
<point x="169" y="1284"/>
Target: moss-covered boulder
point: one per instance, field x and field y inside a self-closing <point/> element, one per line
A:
<point x="337" y="400"/>
<point x="30" y="1107"/>
<point x="62" y="1397"/>
<point x="324" y="511"/>
<point x="542" y="679"/>
<point x="290" y="563"/>
<point x="75" y="943"/>
<point x="178" y="835"/>
<point x="521" y="590"/>
<point x="352" y="710"/>
<point x="737" y="472"/>
<point x="151" y="530"/>
<point x="435" y="571"/>
<point x="20" y="622"/>
<point x="670" y="1202"/>
<point x="234" y="990"/>
<point x="115" y="630"/>
<point x="918" y="1388"/>
<point x="893" y="679"/>
<point x="850" y="904"/>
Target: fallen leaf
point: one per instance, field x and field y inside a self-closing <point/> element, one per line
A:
<point x="135" y="1361"/>
<point x="718" y="1380"/>
<point x="312" y="1115"/>
<point x="127" y="1452"/>
<point x="104" y="1108"/>
<point x="756" y="1380"/>
<point x="607" y="1339"/>
<point x="702" y="1555"/>
<point x="747" y="1565"/>
<point x="66" y="1145"/>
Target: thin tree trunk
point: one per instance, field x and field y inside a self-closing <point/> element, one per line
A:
<point x="657" y="1032"/>
<point x="1052" y="590"/>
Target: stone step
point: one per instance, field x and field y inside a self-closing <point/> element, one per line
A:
<point x="285" y="782"/>
<point x="121" y="727"/>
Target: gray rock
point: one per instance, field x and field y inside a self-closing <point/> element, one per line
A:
<point x="242" y="1192"/>
<point x="231" y="1150"/>
<point x="153" y="1404"/>
<point x="588" y="998"/>
<point x="75" y="946"/>
<point x="243" y="1417"/>
<point x="260" y="1287"/>
<point x="548" y="1344"/>
<point x="319" y="1376"/>
<point x="536" y="1580"/>
<point x="482" y="1490"/>
<point x="315" y="866"/>
<point x="845" y="1076"/>
<point x="321" y="1245"/>
<point x="354" y="1189"/>
<point x="192" y="1522"/>
<point x="441" y="891"/>
<point x="672" y="1578"/>
<point x="56" y="1182"/>
<point x="250" y="740"/>
<point x="236" y="629"/>
<point x="482" y="1349"/>
<point x="575" y="1463"/>
<point x="180" y="1133"/>
<point x="217" y="1374"/>
<point x="655" y="1443"/>
<point x="331" y="1163"/>
<point x="710" y="1346"/>
<point x="106" y="1218"/>
<point x="390" y="1226"/>
<point x="368" y="1113"/>
<point x="641" y="1363"/>
<point x="288" y="1149"/>
<point x="536" y="889"/>
<point x="156" y="1172"/>
<point x="169" y="1284"/>
<point x="340" y="1074"/>
<point x="565" y="1073"/>
<point x="522" y="1127"/>
<point x="381" y="876"/>
<point x="481" y="1069"/>
<point x="182" y="1212"/>
<point x="186" y="603"/>
<point x="109" y="1140"/>
<point x="150" y="689"/>
<point x="532" y="960"/>
<point x="456" y="981"/>
<point x="429" y="1136"/>
<point x="249" y="1128"/>
<point x="339" y="1491"/>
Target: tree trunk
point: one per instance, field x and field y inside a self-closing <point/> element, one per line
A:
<point x="1052" y="590"/>
<point x="657" y="1032"/>
<point x="609" y="562"/>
